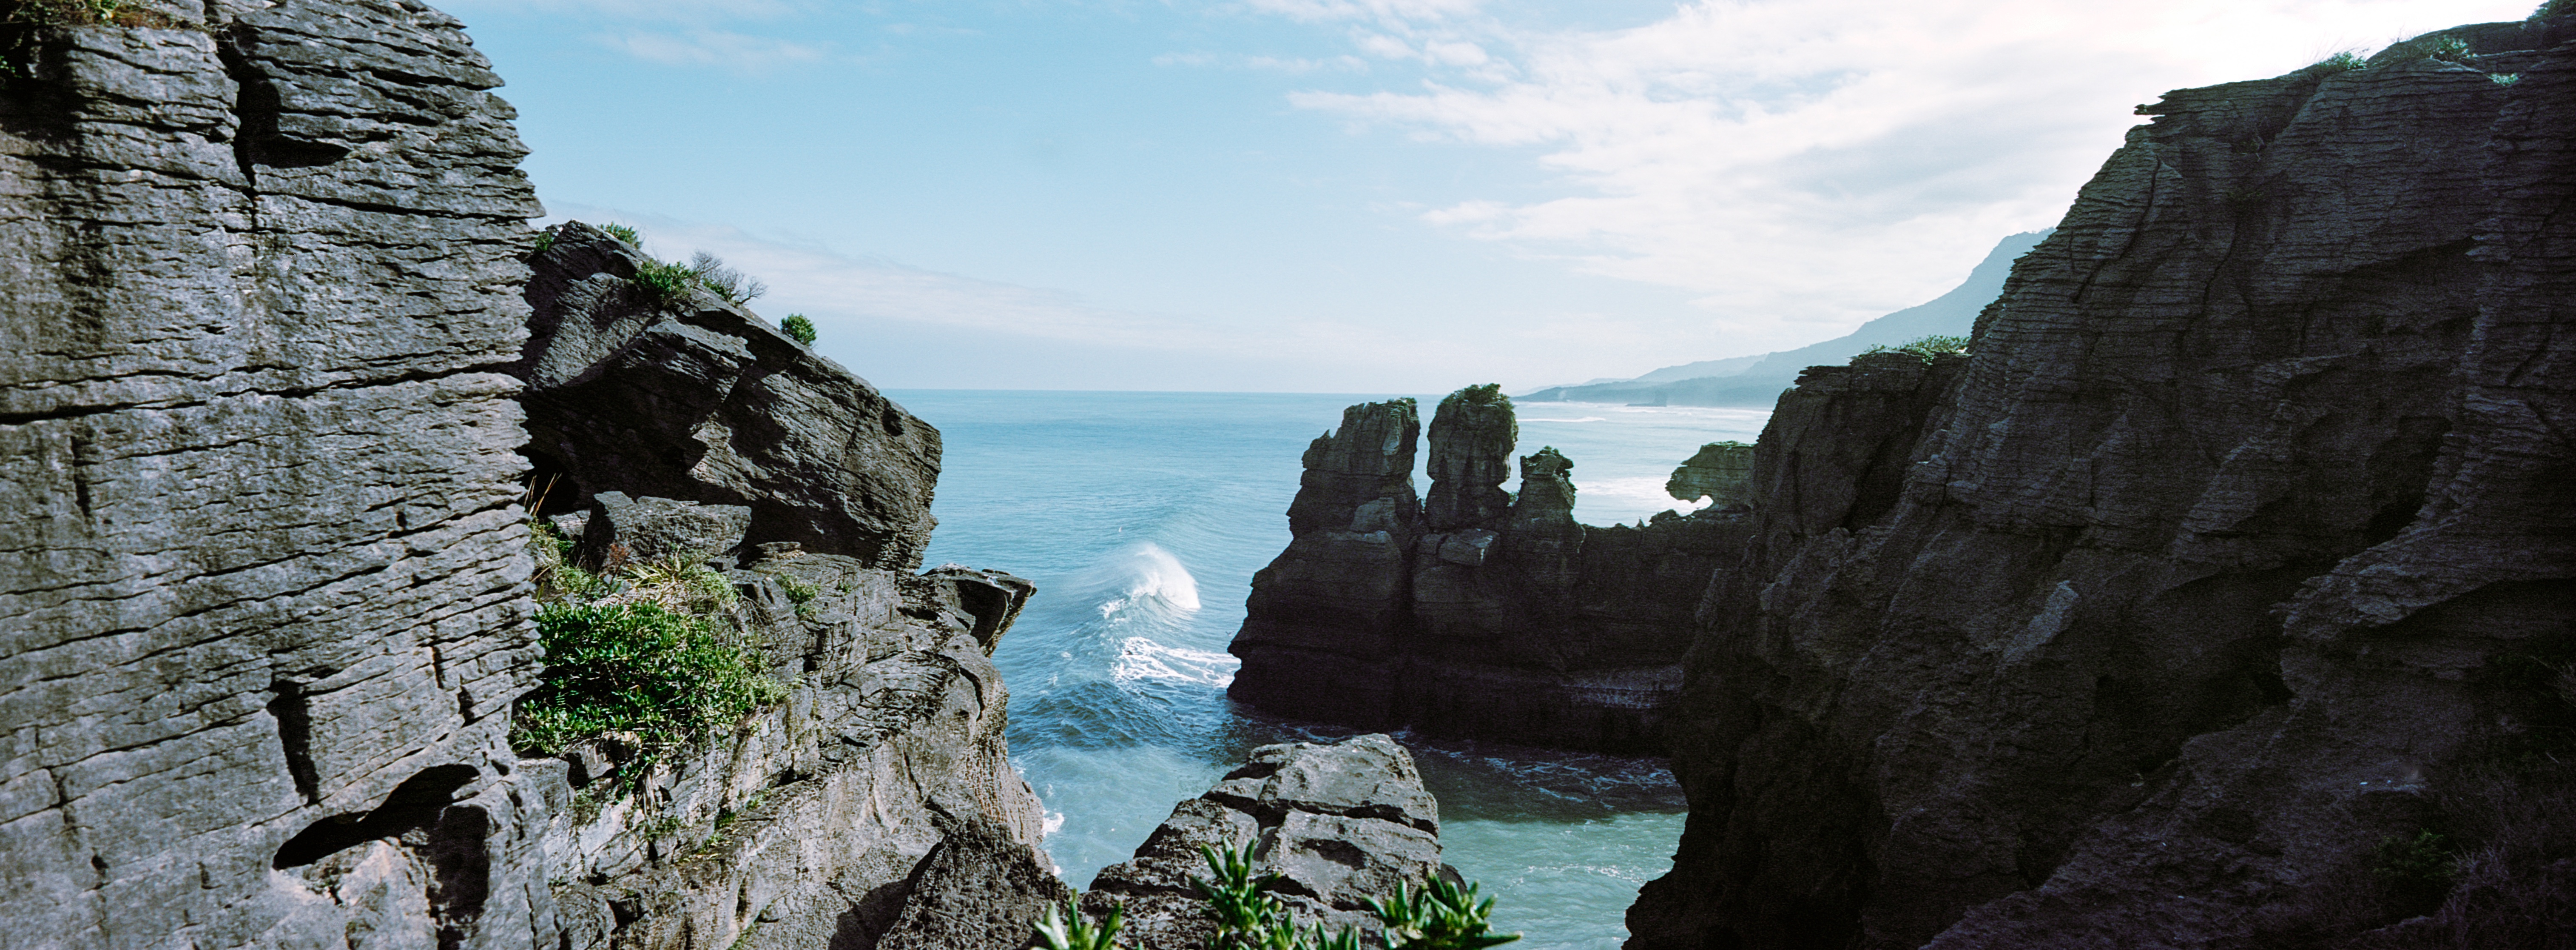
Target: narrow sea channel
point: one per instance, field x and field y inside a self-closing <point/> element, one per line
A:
<point x="1142" y="517"/>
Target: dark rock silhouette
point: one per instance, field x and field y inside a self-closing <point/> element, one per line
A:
<point x="2204" y="576"/>
<point x="1487" y="620"/>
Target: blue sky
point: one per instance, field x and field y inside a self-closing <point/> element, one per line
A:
<point x="1353" y="195"/>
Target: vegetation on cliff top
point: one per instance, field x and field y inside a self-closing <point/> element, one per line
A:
<point x="1923" y="349"/>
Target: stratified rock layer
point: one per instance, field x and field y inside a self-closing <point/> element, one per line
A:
<point x="699" y="400"/>
<point x="258" y="287"/>
<point x="1487" y="620"/>
<point x="1339" y="823"/>
<point x="267" y="591"/>
<point x="2149" y="622"/>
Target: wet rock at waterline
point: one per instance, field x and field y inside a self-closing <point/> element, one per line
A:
<point x="1338" y="823"/>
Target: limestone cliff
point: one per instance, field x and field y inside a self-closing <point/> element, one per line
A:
<point x="265" y="568"/>
<point x="2205" y="581"/>
<point x="267" y="592"/>
<point x="1479" y="614"/>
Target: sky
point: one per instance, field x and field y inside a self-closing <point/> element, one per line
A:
<point x="1353" y="195"/>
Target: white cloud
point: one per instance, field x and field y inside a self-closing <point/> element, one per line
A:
<point x="1808" y="164"/>
<point x="905" y="326"/>
<point x="712" y="48"/>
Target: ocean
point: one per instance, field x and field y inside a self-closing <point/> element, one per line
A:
<point x="1142" y="517"/>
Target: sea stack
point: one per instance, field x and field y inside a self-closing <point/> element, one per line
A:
<point x="1502" y="618"/>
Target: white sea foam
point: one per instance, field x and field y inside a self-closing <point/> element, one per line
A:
<point x="1140" y="658"/>
<point x="1052" y="823"/>
<point x="1646" y="492"/>
<point x="1142" y="576"/>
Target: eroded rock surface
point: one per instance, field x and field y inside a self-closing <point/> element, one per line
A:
<point x="1339" y="823"/>
<point x="2204" y="576"/>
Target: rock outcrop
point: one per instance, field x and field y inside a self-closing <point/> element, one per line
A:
<point x="1339" y="824"/>
<point x="268" y="591"/>
<point x="697" y="399"/>
<point x="1481" y="614"/>
<point x="1720" y="472"/>
<point x="843" y="817"/>
<point x="2203" y="581"/>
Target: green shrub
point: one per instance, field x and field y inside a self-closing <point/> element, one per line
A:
<point x="635" y="667"/>
<point x="2342" y="62"/>
<point x="664" y="282"/>
<point x="2505" y="79"/>
<point x="798" y="328"/>
<point x="2551" y="8"/>
<point x="1926" y="348"/>
<point x="1489" y="394"/>
<point x="545" y="242"/>
<point x="2449" y="49"/>
<point x="632" y="237"/>
<point x="2417" y="870"/>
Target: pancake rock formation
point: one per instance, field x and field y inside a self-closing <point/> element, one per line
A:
<point x="1339" y="823"/>
<point x="1479" y="614"/>
<point x="268" y="595"/>
<point x="2216" y="599"/>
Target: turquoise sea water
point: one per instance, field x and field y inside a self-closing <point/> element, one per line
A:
<point x="1142" y="516"/>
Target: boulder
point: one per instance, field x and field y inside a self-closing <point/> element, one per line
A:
<point x="622" y="530"/>
<point x="1338" y="823"/>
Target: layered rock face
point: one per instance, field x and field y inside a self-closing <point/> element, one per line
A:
<point x="1480" y="614"/>
<point x="265" y="574"/>
<point x="2207" y="575"/>
<point x="700" y="400"/>
<point x="1339" y="824"/>
<point x="269" y="602"/>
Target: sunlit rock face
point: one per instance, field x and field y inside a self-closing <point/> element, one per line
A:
<point x="267" y="594"/>
<point x="2204" y="575"/>
<point x="265" y="591"/>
